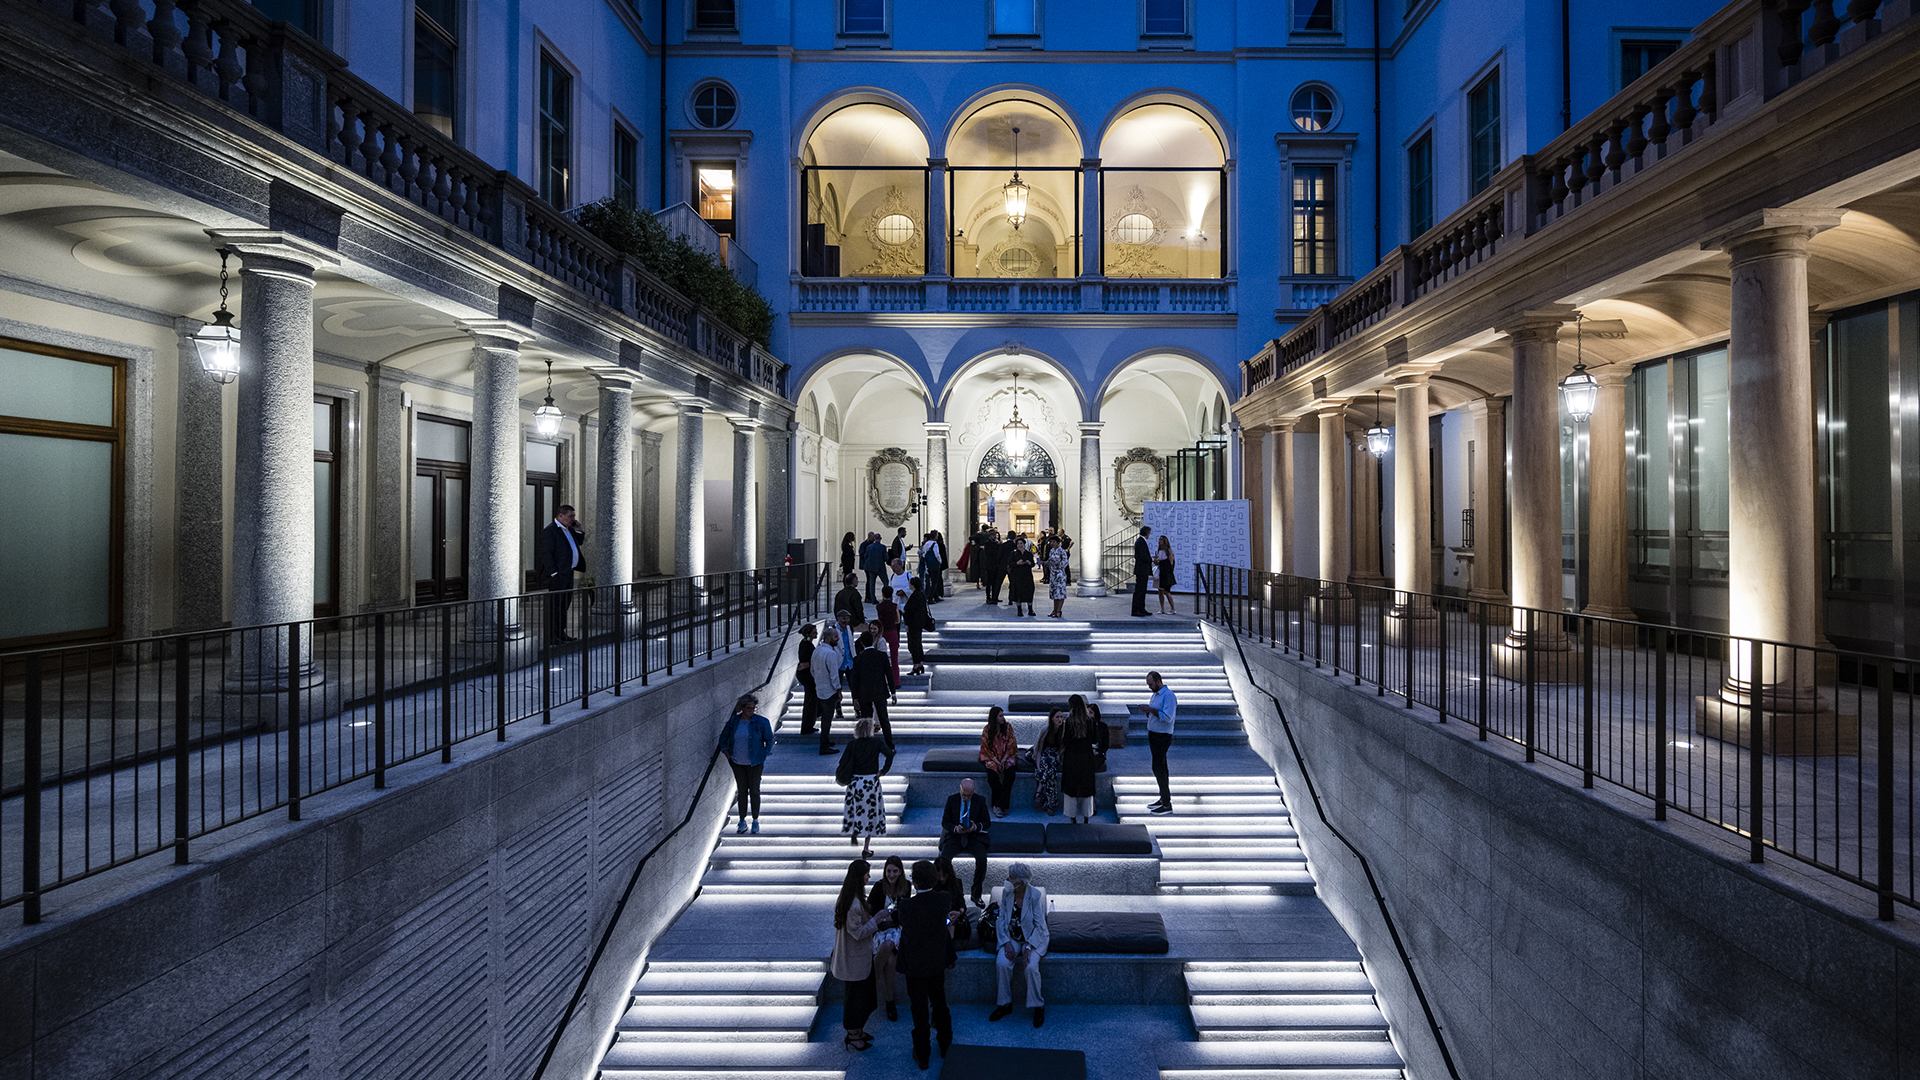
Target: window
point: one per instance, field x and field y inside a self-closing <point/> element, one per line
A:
<point x="441" y="472"/>
<point x="1017" y="18"/>
<point x="863" y="16"/>
<point x="1420" y="185"/>
<point x="1638" y="57"/>
<point x="326" y="504"/>
<point x="1134" y="229"/>
<point x="302" y="15"/>
<point x="1164" y="18"/>
<point x="1483" y="133"/>
<point x="1313" y="15"/>
<point x="556" y="132"/>
<point x="1313" y="247"/>
<point x="713" y="183"/>
<point x="713" y="15"/>
<point x="436" y="55"/>
<point x="894" y="229"/>
<point x="714" y="105"/>
<point x="626" y="168"/>
<point x="1312" y="109"/>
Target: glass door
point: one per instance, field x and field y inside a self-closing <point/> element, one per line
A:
<point x="440" y="511"/>
<point x="539" y="497"/>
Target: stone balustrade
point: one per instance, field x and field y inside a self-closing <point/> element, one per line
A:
<point x="856" y="296"/>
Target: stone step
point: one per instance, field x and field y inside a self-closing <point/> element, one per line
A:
<point x="1282" y="999"/>
<point x="729" y="1017"/>
<point x="1284" y="1057"/>
<point x="729" y="981"/>
<point x="1297" y="1017"/>
<point x="1172" y="875"/>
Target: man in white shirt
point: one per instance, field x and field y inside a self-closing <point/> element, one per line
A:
<point x="827" y="682"/>
<point x="898" y="580"/>
<point x="1160" y="715"/>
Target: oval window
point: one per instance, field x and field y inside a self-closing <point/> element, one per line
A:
<point x="1016" y="261"/>
<point x="1312" y="109"/>
<point x="1134" y="229"/>
<point x="714" y="106"/>
<point x="894" y="229"/>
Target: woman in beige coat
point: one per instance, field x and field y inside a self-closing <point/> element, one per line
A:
<point x="853" y="930"/>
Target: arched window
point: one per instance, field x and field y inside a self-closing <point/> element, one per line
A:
<point x="1016" y="199"/>
<point x="1163" y="179"/>
<point x="864" y="175"/>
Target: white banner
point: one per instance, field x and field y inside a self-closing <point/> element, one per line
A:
<point x="1216" y="531"/>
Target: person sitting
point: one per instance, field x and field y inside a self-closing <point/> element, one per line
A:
<point x="964" y="828"/>
<point x="1022" y="935"/>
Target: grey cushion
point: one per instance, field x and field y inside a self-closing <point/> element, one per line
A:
<point x="961" y="759"/>
<point x="1016" y="838"/>
<point x="1137" y="932"/>
<point x="1097" y="838"/>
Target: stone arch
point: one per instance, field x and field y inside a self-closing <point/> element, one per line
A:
<point x="857" y="95"/>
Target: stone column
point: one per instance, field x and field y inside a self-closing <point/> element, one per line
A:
<point x="744" y="480"/>
<point x="1366" y="514"/>
<point x="1334" y="603"/>
<point x="389" y="489"/>
<point x="1413" y="620"/>
<point x="1230" y="483"/>
<point x="200" y="501"/>
<point x="1607" y="508"/>
<point x="689" y="491"/>
<point x="1093" y="580"/>
<point x="650" y="501"/>
<point x="1253" y="477"/>
<point x="1537" y="576"/>
<point x="1282" y="485"/>
<point x="937" y="225"/>
<point x="498" y="473"/>
<point x="1488" y="589"/>
<point x="936" y="482"/>
<point x="1773" y="588"/>
<point x="777" y="528"/>
<point x="613" y="480"/>
<point x="1091" y="216"/>
<point x="273" y="454"/>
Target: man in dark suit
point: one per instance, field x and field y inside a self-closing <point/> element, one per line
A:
<point x="558" y="557"/>
<point x="1142" y="570"/>
<point x="963" y="831"/>
<point x="926" y="937"/>
<point x="873" y="559"/>
<point x="872" y="683"/>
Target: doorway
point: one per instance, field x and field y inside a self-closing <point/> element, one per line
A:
<point x="539" y="498"/>
<point x="440" y="479"/>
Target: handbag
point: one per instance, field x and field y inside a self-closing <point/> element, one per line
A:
<point x="989" y="919"/>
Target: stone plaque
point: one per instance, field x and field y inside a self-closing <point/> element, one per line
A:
<point x="893" y="483"/>
<point x="1137" y="480"/>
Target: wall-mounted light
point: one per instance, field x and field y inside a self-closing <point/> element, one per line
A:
<point x="218" y="342"/>
<point x="546" y="418"/>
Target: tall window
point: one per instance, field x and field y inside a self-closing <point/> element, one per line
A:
<point x="713" y="15"/>
<point x="1483" y="133"/>
<point x="1016" y="17"/>
<point x="1638" y="57"/>
<point x="1313" y="14"/>
<point x="436" y="55"/>
<point x="1420" y="185"/>
<point x="863" y="16"/>
<point x="713" y="181"/>
<point x="1860" y="429"/>
<point x="626" y="167"/>
<point x="1313" y="247"/>
<point x="1165" y="17"/>
<point x="556" y="132"/>
<point x="326" y="505"/>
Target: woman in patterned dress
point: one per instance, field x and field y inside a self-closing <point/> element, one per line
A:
<point x="892" y="888"/>
<point x="1059" y="569"/>
<point x="1046" y="765"/>
<point x="865" y="816"/>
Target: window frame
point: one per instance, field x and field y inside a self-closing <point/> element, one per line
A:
<point x="1620" y="37"/>
<point x="1421" y="141"/>
<point x="863" y="37"/>
<point x="1477" y="181"/>
<point x="1334" y="111"/>
<point x="1316" y="34"/>
<point x="336" y="456"/>
<point x="551" y="59"/>
<point x="695" y="26"/>
<point x="693" y="104"/>
<point x="1032" y="40"/>
<point x="694" y="165"/>
<point x="624" y="131"/>
<point x="1328" y="264"/>
<point x="1163" y="38"/>
<point x="453" y="36"/>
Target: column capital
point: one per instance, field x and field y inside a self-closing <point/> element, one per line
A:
<point x="744" y="425"/>
<point x="937" y="430"/>
<point x="1772" y="234"/>
<point x="1538" y="326"/>
<point x="651" y="438"/>
<point x="1284" y="426"/>
<point x="267" y="246"/>
<point x="1612" y="374"/>
<point x="1091" y="429"/>
<point x="616" y="379"/>
<point x="1326" y="407"/>
<point x="1411" y="378"/>
<point x="1486" y="406"/>
<point x="498" y="333"/>
<point x="686" y="406"/>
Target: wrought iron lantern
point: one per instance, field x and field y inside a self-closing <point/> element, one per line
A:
<point x="1580" y="391"/>
<point x="546" y="418"/>
<point x="218" y="342"/>
<point x="1014" y="433"/>
<point x="1379" y="436"/>
<point x="1015" y="190"/>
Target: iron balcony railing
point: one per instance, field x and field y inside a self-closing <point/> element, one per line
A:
<point x="120" y="751"/>
<point x="1829" y="782"/>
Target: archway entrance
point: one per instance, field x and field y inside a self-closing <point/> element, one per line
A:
<point x="1024" y="499"/>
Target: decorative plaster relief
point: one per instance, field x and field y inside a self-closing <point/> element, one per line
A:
<point x="893" y="485"/>
<point x="1139" y="476"/>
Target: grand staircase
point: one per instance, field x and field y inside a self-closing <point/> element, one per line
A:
<point x="1230" y="835"/>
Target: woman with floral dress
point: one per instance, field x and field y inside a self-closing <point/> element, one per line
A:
<point x="1059" y="570"/>
<point x="1046" y="765"/>
<point x="865" y="815"/>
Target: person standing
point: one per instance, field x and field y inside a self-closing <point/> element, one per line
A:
<point x="886" y="619"/>
<point x="1020" y="577"/>
<point x="1160" y="715"/>
<point x="926" y="937"/>
<point x="873" y="559"/>
<point x="1000" y="753"/>
<point x="933" y="566"/>
<point x="1059" y="570"/>
<point x="803" y="674"/>
<point x="848" y="600"/>
<point x="560" y="558"/>
<point x="1142" y="570"/>
<point x="918" y="620"/>
<point x="897" y="578"/>
<point x="827" y="684"/>
<point x="853" y="929"/>
<point x="897" y="551"/>
<point x="1079" y="760"/>
<point x="965" y="825"/>
<point x="892" y="888"/>
<point x="1046" y="764"/>
<point x="993" y="565"/>
<point x="870" y="686"/>
<point x="848" y="558"/>
<point x="745" y="739"/>
<point x="1023" y="939"/>
<point x="1163" y="560"/>
<point x="865" y="814"/>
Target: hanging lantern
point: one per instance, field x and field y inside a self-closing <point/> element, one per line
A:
<point x="1014" y="433"/>
<point x="1580" y="391"/>
<point x="1015" y="190"/>
<point x="218" y="342"/>
<point x="546" y="418"/>
<point x="1379" y="436"/>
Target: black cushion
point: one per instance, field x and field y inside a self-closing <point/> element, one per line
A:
<point x="965" y="759"/>
<point x="1097" y="838"/>
<point x="1040" y="705"/>
<point x="1143" y="932"/>
<point x="1017" y="838"/>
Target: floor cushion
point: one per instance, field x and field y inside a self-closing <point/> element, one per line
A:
<point x="1017" y="838"/>
<point x="1099" y="838"/>
<point x="1138" y="932"/>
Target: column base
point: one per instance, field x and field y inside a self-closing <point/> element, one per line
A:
<point x="1624" y="634"/>
<point x="485" y="626"/>
<point x="1803" y="727"/>
<point x="1091" y="587"/>
<point x="1333" y="608"/>
<point x="1490" y="607"/>
<point x="1377" y="581"/>
<point x="1413" y="628"/>
<point x="1553" y="661"/>
<point x="235" y="706"/>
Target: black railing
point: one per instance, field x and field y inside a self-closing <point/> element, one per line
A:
<point x="120" y="751"/>
<point x="1666" y="713"/>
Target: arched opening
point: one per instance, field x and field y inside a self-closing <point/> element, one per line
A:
<point x="1016" y="494"/>
<point x="871" y="405"/>
<point x="1163" y="183"/>
<point x="1172" y="409"/>
<point x="1004" y="230"/>
<point x="863" y="177"/>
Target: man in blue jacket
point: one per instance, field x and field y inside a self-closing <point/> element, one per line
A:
<point x="873" y="559"/>
<point x="745" y="739"/>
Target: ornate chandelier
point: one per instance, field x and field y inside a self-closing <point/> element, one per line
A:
<point x="1014" y="433"/>
<point x="1015" y="190"/>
